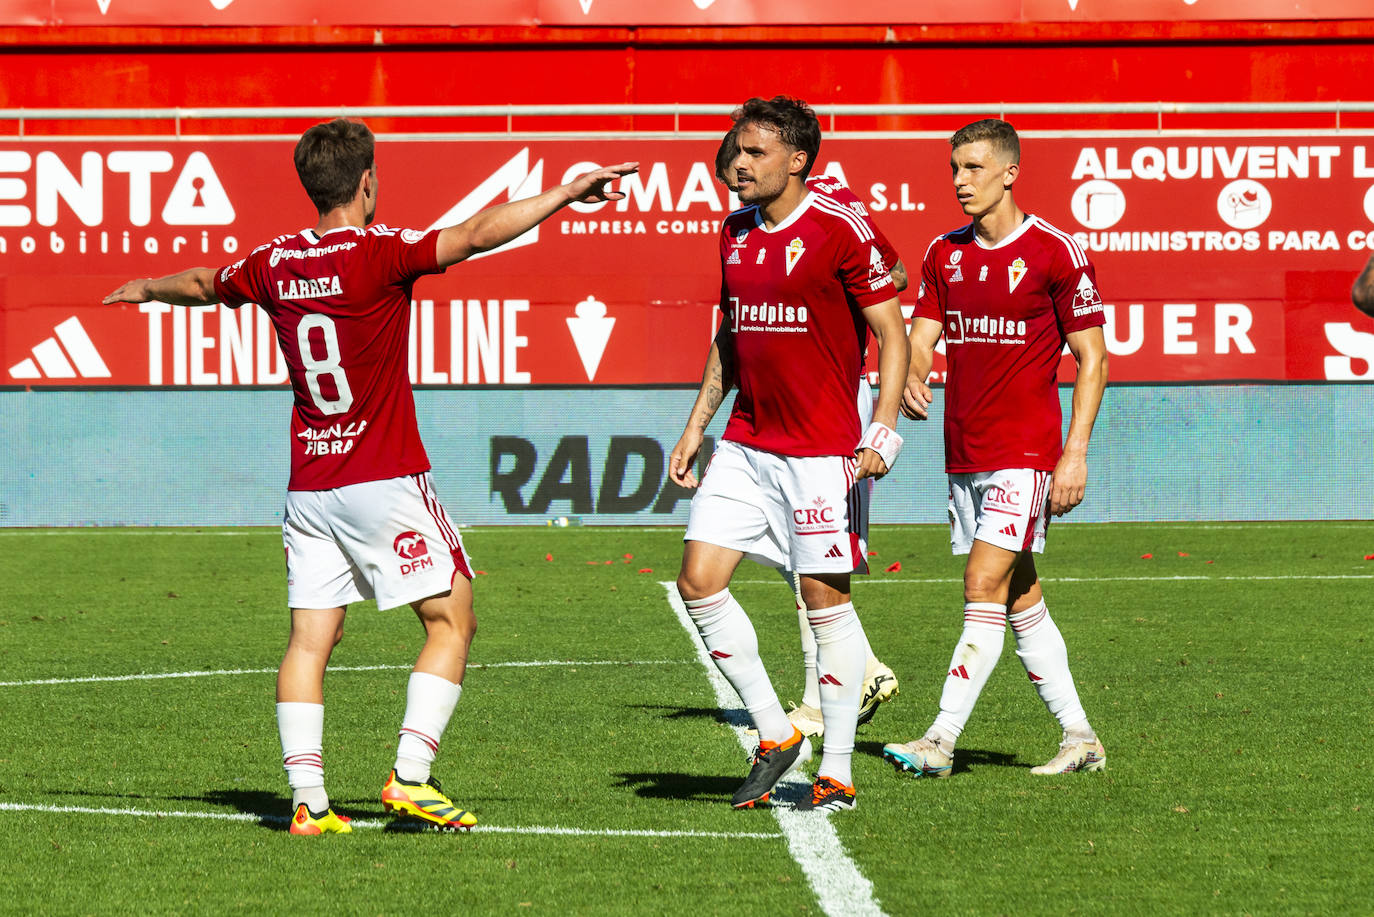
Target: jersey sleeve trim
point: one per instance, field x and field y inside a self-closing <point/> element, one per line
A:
<point x="1076" y="256"/>
<point x="855" y="222"/>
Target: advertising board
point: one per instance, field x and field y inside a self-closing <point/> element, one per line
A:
<point x="1218" y="259"/>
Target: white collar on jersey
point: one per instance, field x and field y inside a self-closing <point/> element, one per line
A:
<point x="313" y="237"/>
<point x="1030" y="220"/>
<point x="789" y="219"/>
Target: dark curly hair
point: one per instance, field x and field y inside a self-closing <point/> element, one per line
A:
<point x="793" y="119"/>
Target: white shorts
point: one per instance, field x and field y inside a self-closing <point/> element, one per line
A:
<point x="780" y="510"/>
<point x="389" y="540"/>
<point x="1007" y="509"/>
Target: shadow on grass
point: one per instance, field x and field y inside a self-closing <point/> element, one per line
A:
<point x="732" y="717"/>
<point x="965" y="759"/>
<point x="271" y="810"/>
<point x="669" y="785"/>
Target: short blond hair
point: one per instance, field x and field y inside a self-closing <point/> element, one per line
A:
<point x="998" y="133"/>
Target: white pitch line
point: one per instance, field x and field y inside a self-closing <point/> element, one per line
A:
<point x="211" y="673"/>
<point x="840" y="887"/>
<point x="553" y="831"/>
<point x="895" y="581"/>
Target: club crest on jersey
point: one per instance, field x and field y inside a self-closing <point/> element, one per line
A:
<point x="762" y="252"/>
<point x="309" y="287"/>
<point x="982" y="273"/>
<point x="1015" y="273"/>
<point x="734" y="257"/>
<point x="1086" y="299"/>
<point x="795" y="249"/>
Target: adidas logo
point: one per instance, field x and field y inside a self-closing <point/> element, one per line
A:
<point x="1009" y="530"/>
<point x="717" y="654"/>
<point x="52" y="357"/>
<point x="834" y="551"/>
<point x="1035" y="679"/>
<point x="734" y="257"/>
<point x="828" y="679"/>
<point x="959" y="672"/>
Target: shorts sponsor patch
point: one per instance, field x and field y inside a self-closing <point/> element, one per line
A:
<point x="817" y="518"/>
<point x="414" y="553"/>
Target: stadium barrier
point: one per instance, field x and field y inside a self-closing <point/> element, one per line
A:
<point x="521" y="456"/>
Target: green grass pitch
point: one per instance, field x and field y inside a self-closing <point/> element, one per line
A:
<point x="1229" y="675"/>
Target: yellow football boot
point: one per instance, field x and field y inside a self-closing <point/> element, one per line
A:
<point x="426" y="802"/>
<point x="307" y="822"/>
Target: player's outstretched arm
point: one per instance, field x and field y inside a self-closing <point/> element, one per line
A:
<point x="193" y="287"/>
<point x="925" y="334"/>
<point x="1070" y="478"/>
<point x="1362" y="293"/>
<point x="894" y="360"/>
<point x="716" y="380"/>
<point x="496" y="226"/>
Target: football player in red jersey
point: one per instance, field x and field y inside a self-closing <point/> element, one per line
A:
<point x="362" y="517"/>
<point x="802" y="282"/>
<point x="880" y="682"/>
<point x="1007" y="291"/>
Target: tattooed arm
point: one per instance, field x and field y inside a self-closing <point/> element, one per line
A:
<point x="716" y="381"/>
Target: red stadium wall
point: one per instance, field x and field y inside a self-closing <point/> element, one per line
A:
<point x="1272" y="306"/>
<point x="72" y="67"/>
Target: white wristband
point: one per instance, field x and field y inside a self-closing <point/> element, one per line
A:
<point x="883" y="440"/>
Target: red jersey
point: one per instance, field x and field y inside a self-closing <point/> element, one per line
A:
<point x="792" y="298"/>
<point x="341" y="307"/>
<point x="835" y="189"/>
<point x="838" y="191"/>
<point x="1006" y="313"/>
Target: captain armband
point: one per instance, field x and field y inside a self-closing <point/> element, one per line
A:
<point x="883" y="440"/>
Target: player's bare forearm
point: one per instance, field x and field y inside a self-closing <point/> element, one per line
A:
<point x="900" y="280"/>
<point x="715" y="382"/>
<point x="192" y="287"/>
<point x="916" y="399"/>
<point x="714" y="385"/>
<point x="1069" y="482"/>
<point x="1362" y="293"/>
<point x="1090" y="350"/>
<point x="894" y="358"/>
<point x="495" y="226"/>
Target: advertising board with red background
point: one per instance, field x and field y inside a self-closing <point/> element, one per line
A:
<point x="665" y="12"/>
<point x="1218" y="259"/>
